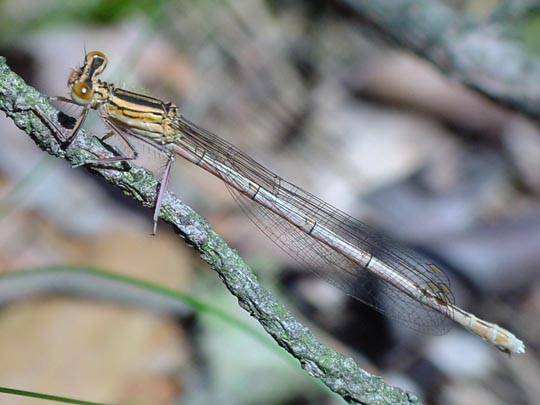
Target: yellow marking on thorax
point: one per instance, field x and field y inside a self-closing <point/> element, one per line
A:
<point x="141" y="114"/>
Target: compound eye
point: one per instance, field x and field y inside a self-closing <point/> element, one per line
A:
<point x="93" y="54"/>
<point x="81" y="93"/>
<point x="96" y="61"/>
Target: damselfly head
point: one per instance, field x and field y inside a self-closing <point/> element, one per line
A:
<point x="94" y="64"/>
<point x="81" y="79"/>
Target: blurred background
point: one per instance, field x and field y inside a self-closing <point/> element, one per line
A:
<point x="312" y="92"/>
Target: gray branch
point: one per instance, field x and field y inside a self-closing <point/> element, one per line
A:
<point x="488" y="56"/>
<point x="26" y="107"/>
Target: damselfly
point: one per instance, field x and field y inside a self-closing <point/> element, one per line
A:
<point x="339" y="248"/>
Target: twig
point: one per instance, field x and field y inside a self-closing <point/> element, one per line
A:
<point x="487" y="56"/>
<point x="21" y="103"/>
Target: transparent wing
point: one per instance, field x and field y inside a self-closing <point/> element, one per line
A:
<point x="327" y="263"/>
